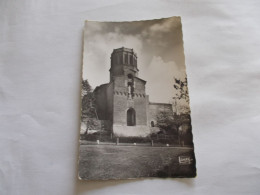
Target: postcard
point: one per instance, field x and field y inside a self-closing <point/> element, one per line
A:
<point x="135" y="113"/>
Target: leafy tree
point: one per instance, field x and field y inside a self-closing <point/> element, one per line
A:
<point x="165" y="122"/>
<point x="88" y="107"/>
<point x="182" y="94"/>
<point x="178" y="124"/>
<point x="86" y="88"/>
<point x="88" y="101"/>
<point x="183" y="124"/>
<point x="182" y="89"/>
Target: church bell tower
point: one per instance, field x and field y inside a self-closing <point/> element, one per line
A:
<point x="130" y="102"/>
<point x="123" y="62"/>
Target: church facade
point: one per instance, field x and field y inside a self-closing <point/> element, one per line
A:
<point x="124" y="102"/>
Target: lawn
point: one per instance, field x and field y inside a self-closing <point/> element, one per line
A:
<point x="120" y="162"/>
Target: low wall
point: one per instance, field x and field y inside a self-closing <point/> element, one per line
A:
<point x="131" y="131"/>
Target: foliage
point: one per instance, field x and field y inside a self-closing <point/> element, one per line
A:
<point x="184" y="128"/>
<point x="88" y="101"/>
<point x="175" y="125"/>
<point x="181" y="95"/>
<point x="182" y="89"/>
<point x="181" y="119"/>
<point x="86" y="88"/>
<point x="166" y="123"/>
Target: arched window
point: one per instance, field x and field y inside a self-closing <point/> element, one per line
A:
<point x="130" y="117"/>
<point x="152" y="123"/>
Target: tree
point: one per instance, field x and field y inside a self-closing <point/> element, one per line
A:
<point x="183" y="124"/>
<point x="182" y="89"/>
<point x="88" y="101"/>
<point x="182" y="120"/>
<point x="88" y="107"/>
<point x="182" y="94"/>
<point x="86" y="88"/>
<point x="165" y="122"/>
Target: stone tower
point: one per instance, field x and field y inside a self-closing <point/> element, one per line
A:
<point x="130" y="101"/>
<point x="123" y="62"/>
<point x="123" y="103"/>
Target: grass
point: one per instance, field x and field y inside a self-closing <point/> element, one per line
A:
<point x="101" y="162"/>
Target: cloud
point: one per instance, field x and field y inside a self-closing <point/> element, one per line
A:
<point x="163" y="27"/>
<point x="158" y="45"/>
<point x="98" y="47"/>
<point x="160" y="77"/>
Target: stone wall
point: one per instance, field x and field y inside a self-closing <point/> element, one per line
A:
<point x="120" y="107"/>
<point x="156" y="108"/>
<point x="100" y="94"/>
<point x="140" y="106"/>
<point x="110" y="98"/>
<point x="131" y="131"/>
<point x="139" y="86"/>
<point x="124" y="92"/>
<point x="119" y="84"/>
<point x="122" y="102"/>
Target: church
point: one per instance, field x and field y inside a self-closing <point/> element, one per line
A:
<point x="123" y="102"/>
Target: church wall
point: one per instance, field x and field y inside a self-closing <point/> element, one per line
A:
<point x="110" y="92"/>
<point x="120" y="84"/>
<point x="120" y="106"/>
<point x="120" y="101"/>
<point x="156" y="108"/>
<point x="140" y="107"/>
<point x="131" y="131"/>
<point x="139" y="86"/>
<point x="125" y="92"/>
<point x="116" y="70"/>
<point x="128" y="70"/>
<point x="101" y="101"/>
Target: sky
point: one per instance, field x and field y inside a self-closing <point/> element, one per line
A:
<point x="158" y="44"/>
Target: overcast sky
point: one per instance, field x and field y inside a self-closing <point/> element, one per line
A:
<point x="159" y="48"/>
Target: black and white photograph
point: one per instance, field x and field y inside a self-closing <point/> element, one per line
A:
<point x="140" y="97"/>
<point x="135" y="113"/>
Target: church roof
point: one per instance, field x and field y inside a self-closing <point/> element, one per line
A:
<point x="101" y="86"/>
<point x="140" y="79"/>
<point x="124" y="49"/>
